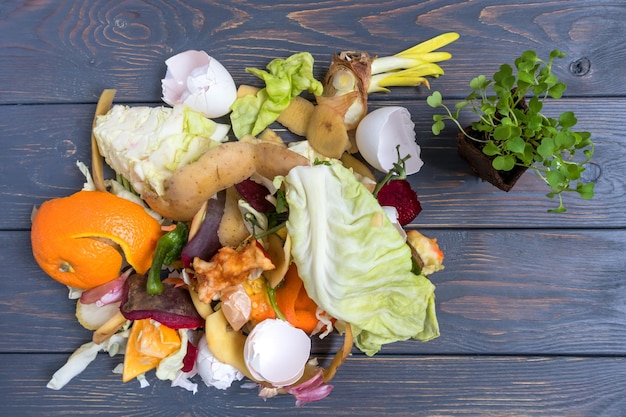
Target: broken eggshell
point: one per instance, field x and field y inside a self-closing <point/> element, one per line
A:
<point x="392" y="215"/>
<point x="213" y="372"/>
<point x="277" y="352"/>
<point x="384" y="129"/>
<point x="200" y="82"/>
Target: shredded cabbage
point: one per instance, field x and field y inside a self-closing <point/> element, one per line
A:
<point x="352" y="260"/>
<point x="83" y="356"/>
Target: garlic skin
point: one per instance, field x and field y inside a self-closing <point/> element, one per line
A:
<point x="381" y="131"/>
<point x="277" y="352"/>
<point x="200" y="82"/>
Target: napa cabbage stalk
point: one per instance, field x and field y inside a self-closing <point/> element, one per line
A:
<point x="353" y="262"/>
<point x="146" y="145"/>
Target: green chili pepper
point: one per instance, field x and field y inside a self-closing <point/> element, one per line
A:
<point x="169" y="248"/>
<point x="271" y="292"/>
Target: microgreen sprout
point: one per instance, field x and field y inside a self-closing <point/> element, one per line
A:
<point x="513" y="130"/>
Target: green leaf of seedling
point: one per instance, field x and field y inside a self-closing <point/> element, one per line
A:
<point x="557" y="90"/>
<point x="546" y="148"/>
<point x="551" y="79"/>
<point x="488" y="109"/>
<point x="585" y="190"/>
<point x="533" y="124"/>
<point x="557" y="54"/>
<point x="434" y="100"/>
<point x="502" y="132"/>
<point x="516" y="145"/>
<point x="571" y="171"/>
<point x="529" y="154"/>
<point x="527" y="77"/>
<point x="504" y="71"/>
<point x="534" y="105"/>
<point x="478" y="83"/>
<point x="567" y="119"/>
<point x="503" y="162"/>
<point x="491" y="149"/>
<point x="508" y="83"/>
<point x="584" y="139"/>
<point x="564" y="139"/>
<point x="461" y="104"/>
<point x="556" y="180"/>
<point x="438" y="126"/>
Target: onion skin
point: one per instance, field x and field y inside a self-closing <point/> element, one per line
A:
<point x="108" y="293"/>
<point x="359" y="64"/>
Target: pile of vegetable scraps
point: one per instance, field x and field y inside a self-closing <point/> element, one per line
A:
<point x="265" y="244"/>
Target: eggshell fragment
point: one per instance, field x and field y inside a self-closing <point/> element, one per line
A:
<point x="381" y="131"/>
<point x="200" y="82"/>
<point x="213" y="372"/>
<point x="277" y="352"/>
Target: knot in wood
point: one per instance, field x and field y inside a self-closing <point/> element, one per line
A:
<point x="580" y="67"/>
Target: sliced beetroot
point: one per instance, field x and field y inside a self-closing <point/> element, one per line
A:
<point x="190" y="357"/>
<point x="255" y="194"/>
<point x="172" y="308"/>
<point x="205" y="243"/>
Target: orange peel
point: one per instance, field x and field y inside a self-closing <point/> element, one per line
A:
<point x="81" y="240"/>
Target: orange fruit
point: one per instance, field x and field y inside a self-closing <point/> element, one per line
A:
<point x="77" y="240"/>
<point x="148" y="343"/>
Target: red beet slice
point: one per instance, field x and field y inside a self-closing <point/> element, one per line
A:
<point x="172" y="308"/>
<point x="255" y="193"/>
<point x="205" y="243"/>
<point x="190" y="358"/>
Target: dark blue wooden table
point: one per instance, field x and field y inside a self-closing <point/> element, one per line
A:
<point x="531" y="305"/>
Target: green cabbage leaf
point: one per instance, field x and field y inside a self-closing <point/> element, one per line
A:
<point x="354" y="263"/>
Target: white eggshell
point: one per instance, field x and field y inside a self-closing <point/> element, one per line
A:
<point x="213" y="372"/>
<point x="200" y="82"/>
<point x="277" y="352"/>
<point x="392" y="215"/>
<point x="381" y="131"/>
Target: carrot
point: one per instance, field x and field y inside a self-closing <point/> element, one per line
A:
<point x="294" y="302"/>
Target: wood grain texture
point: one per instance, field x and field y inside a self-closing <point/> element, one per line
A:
<point x="531" y="304"/>
<point x="387" y="386"/>
<point x="69" y="52"/>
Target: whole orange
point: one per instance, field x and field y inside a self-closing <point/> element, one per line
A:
<point x="81" y="240"/>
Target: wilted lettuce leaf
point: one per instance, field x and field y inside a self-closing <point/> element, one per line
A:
<point x="353" y="262"/>
<point x="284" y="80"/>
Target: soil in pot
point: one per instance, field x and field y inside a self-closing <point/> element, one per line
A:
<point x="480" y="163"/>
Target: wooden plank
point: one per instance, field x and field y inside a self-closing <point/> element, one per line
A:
<point x="508" y="292"/>
<point x="68" y="52"/>
<point x="433" y="386"/>
<point x="43" y="143"/>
